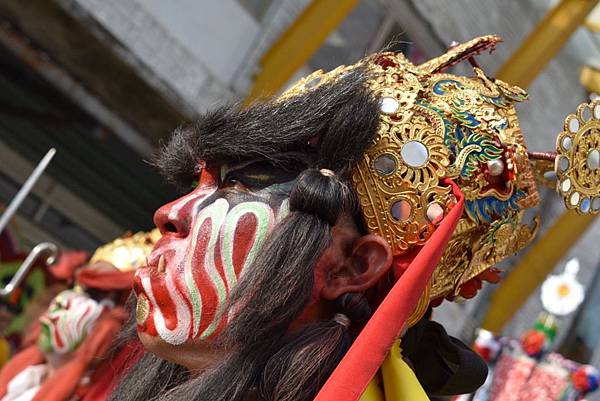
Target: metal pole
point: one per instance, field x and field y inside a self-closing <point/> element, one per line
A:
<point x="25" y="189"/>
<point x="45" y="248"/>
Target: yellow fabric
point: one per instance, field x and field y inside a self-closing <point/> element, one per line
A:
<point x="4" y="351"/>
<point x="399" y="381"/>
<point x="373" y="391"/>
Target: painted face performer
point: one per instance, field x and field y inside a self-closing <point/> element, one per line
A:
<point x="72" y="352"/>
<point x="320" y="227"/>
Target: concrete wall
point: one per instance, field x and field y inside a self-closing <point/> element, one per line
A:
<point x="198" y="53"/>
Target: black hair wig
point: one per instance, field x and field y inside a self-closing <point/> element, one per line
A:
<point x="339" y="119"/>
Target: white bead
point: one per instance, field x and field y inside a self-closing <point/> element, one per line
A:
<point x="495" y="167"/>
<point x="389" y="105"/>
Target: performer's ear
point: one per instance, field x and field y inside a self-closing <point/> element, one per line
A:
<point x="369" y="259"/>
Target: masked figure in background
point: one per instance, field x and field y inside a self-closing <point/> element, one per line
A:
<point x="29" y="300"/>
<point x="320" y="227"/>
<point x="73" y="353"/>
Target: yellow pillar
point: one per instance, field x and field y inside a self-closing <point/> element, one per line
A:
<point x="592" y="22"/>
<point x="546" y="40"/>
<point x="527" y="62"/>
<point x="590" y="79"/>
<point x="297" y="44"/>
<point x="533" y="268"/>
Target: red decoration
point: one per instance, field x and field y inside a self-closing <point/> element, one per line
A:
<point x="580" y="380"/>
<point x="533" y="342"/>
<point x="546" y="383"/>
<point x="485" y="352"/>
<point x="470" y="288"/>
<point x="510" y="377"/>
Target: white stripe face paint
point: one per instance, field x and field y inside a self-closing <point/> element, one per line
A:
<point x="265" y="220"/>
<point x="68" y="320"/>
<point x="179" y="334"/>
<point x="202" y="267"/>
<point x="214" y="216"/>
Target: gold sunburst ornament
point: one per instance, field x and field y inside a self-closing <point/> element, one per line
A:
<point x="577" y="164"/>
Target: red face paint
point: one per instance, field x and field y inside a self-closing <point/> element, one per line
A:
<point x="210" y="237"/>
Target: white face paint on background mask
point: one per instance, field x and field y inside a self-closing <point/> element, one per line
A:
<point x="68" y="320"/>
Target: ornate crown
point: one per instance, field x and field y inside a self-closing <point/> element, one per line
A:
<point x="129" y="252"/>
<point x="436" y="126"/>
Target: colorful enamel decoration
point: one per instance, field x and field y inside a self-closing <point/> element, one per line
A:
<point x="436" y="126"/>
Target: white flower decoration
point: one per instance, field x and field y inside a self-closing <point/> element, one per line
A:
<point x="562" y="293"/>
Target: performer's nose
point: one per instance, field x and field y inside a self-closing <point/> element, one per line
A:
<point x="169" y="219"/>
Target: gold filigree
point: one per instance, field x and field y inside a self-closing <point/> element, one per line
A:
<point x="455" y="260"/>
<point x="127" y="253"/>
<point x="506" y="239"/>
<point x="577" y="165"/>
<point x="421" y="307"/>
<point x="460" y="52"/>
<point x="414" y="187"/>
<point x="475" y="249"/>
<point x="427" y="128"/>
<point x="435" y="126"/>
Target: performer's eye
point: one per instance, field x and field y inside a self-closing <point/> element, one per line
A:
<point x="259" y="175"/>
<point x="242" y="178"/>
<point x="230" y="180"/>
<point x="60" y="305"/>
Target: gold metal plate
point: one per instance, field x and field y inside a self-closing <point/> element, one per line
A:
<point x="577" y="164"/>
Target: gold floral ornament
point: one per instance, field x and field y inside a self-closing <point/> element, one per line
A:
<point x="435" y="126"/>
<point x="129" y="252"/>
<point x="577" y="164"/>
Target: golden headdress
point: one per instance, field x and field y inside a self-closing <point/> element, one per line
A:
<point x="438" y="131"/>
<point x="436" y="126"/>
<point x="128" y="252"/>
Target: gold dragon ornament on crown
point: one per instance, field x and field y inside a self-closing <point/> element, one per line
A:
<point x="436" y="126"/>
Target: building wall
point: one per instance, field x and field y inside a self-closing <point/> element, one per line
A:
<point x="198" y="53"/>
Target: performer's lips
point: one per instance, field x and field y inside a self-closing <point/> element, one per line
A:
<point x="143" y="313"/>
<point x="155" y="270"/>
